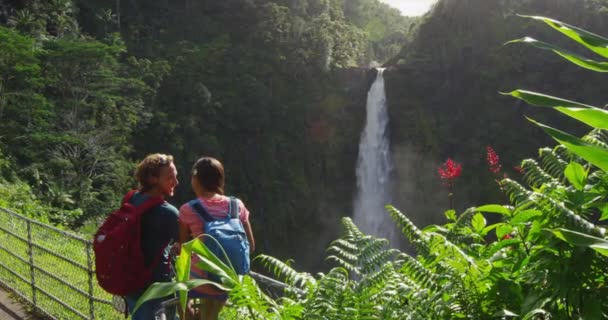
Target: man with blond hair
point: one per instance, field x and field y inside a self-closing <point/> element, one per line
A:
<point x="157" y="177"/>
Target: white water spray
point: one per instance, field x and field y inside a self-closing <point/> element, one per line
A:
<point x="374" y="167"/>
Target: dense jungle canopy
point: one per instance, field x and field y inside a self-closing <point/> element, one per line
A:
<point x="276" y="90"/>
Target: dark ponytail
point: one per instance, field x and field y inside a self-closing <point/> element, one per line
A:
<point x="209" y="172"/>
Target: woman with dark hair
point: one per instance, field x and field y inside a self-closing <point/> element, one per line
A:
<point x="208" y="184"/>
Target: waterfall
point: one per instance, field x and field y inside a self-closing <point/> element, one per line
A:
<point x="374" y="167"/>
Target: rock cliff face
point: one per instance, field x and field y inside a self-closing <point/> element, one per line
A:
<point x="335" y="120"/>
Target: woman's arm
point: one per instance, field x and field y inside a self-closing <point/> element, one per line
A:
<point x="249" y="233"/>
<point x="184" y="232"/>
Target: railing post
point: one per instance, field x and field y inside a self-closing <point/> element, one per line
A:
<point x="30" y="251"/>
<point x="90" y="266"/>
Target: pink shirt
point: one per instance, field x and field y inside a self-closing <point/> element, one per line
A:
<point x="217" y="207"/>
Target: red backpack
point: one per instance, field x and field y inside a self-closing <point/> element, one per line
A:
<point x="119" y="259"/>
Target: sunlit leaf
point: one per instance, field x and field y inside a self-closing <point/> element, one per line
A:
<point x="604" y="212"/>
<point x="594" y="117"/>
<point x="590" y="64"/>
<point x="478" y="222"/>
<point x="209" y="262"/>
<point x="503" y="230"/>
<point x="576" y="174"/>
<point x="525" y="216"/>
<point x="494" y="208"/>
<point x="165" y="289"/>
<point x="450" y="214"/>
<point x="532" y="314"/>
<point x="582" y="240"/>
<point x="543" y="100"/>
<point x="505" y="313"/>
<point x="490" y="228"/>
<point x="593" y="42"/>
<point x="592" y="153"/>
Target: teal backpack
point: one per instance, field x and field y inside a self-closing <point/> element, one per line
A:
<point x="230" y="235"/>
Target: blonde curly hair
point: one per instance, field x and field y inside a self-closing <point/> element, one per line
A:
<point x="149" y="167"/>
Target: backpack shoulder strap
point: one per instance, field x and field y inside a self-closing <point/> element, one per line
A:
<point x="200" y="209"/>
<point x="128" y="196"/>
<point x="148" y="204"/>
<point x="233" y="208"/>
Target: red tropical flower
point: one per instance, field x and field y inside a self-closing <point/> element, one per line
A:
<point x="449" y="171"/>
<point x="493" y="160"/>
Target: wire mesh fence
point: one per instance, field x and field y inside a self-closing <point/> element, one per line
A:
<point x="52" y="269"/>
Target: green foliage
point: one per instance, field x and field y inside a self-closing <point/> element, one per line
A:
<point x="68" y="107"/>
<point x="214" y="79"/>
<point x="547" y="260"/>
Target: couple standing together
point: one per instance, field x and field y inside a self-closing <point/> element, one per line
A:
<point x="163" y="225"/>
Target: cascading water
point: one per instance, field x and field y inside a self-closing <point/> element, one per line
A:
<point x="374" y="167"/>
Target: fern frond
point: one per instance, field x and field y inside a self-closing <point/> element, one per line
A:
<point x="560" y="211"/>
<point x="377" y="260"/>
<point x="328" y="299"/>
<point x="408" y="228"/>
<point x="518" y="195"/>
<point x="345" y="264"/>
<point x="343" y="249"/>
<point x="549" y="206"/>
<point x="535" y="175"/>
<point x="595" y="139"/>
<point x="345" y="245"/>
<point x="457" y="258"/>
<point x="552" y="163"/>
<point x="351" y="229"/>
<point x="284" y="272"/>
<point x="379" y="277"/>
<point x="412" y="269"/>
<point x="465" y="218"/>
<point x="564" y="153"/>
<point x="599" y="134"/>
<point x="248" y="298"/>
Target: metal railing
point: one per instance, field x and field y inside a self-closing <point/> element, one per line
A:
<point x="54" y="271"/>
<point x="50" y="268"/>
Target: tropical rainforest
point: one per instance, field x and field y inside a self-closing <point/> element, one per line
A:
<point x="276" y="90"/>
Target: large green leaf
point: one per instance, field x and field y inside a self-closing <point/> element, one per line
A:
<point x="503" y="230"/>
<point x="593" y="42"/>
<point x="450" y="214"/>
<point x="595" y="155"/>
<point x="570" y="56"/>
<point x="494" y="208"/>
<point x="209" y="262"/>
<point x="576" y="174"/>
<point x="597" y="118"/>
<point x="604" y="212"/>
<point x="182" y="271"/>
<point x="182" y="264"/>
<point x="590" y="115"/>
<point x="543" y="100"/>
<point x="525" y="216"/>
<point x="582" y="240"/>
<point x="164" y="289"/>
<point x="478" y="222"/>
